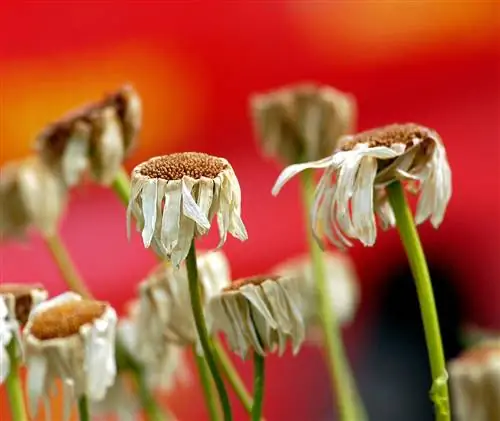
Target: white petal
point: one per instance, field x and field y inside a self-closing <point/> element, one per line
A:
<point x="190" y="208"/>
<point x="186" y="236"/>
<point x="256" y="296"/>
<point x="149" y="197"/>
<point x="135" y="190"/>
<point x="4" y="363"/>
<point x="205" y="197"/>
<point x="171" y="215"/>
<point x="37" y="371"/>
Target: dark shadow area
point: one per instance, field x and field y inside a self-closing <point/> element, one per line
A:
<point x="394" y="376"/>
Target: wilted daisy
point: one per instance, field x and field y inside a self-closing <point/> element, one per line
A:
<point x="175" y="197"/>
<point x="71" y="339"/>
<point x="31" y="196"/>
<point x="352" y="188"/>
<point x="260" y="313"/>
<point x="21" y="299"/>
<point x="302" y="122"/>
<point x="165" y="315"/>
<point x="9" y="330"/>
<point x="475" y="383"/>
<point x="98" y="137"/>
<point x="341" y="283"/>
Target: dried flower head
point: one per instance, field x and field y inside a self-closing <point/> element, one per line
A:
<point x="31" y="196"/>
<point x="175" y="197"/>
<point x="475" y="383"/>
<point x="9" y="330"/>
<point x="302" y="122"/>
<point x="352" y="188"/>
<point x="98" y="137"/>
<point x="165" y="315"/>
<point x="341" y="282"/>
<point x="260" y="313"/>
<point x="71" y="339"/>
<point x="21" y="299"/>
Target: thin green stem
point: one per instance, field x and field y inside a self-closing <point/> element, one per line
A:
<point x="258" y="385"/>
<point x="207" y="385"/>
<point x="83" y="409"/>
<point x="232" y="375"/>
<point x="14" y="386"/>
<point x="347" y="397"/>
<point x="415" y="253"/>
<point x="121" y="186"/>
<point x="201" y="327"/>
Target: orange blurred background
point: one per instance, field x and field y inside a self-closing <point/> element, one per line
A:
<point x="195" y="64"/>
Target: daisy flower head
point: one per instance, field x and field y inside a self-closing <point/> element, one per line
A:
<point x="71" y="339"/>
<point x="260" y="313"/>
<point x="20" y="299"/>
<point x="175" y="197"/>
<point x="302" y="122"/>
<point x="352" y="188"/>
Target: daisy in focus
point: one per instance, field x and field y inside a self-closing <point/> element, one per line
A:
<point x="351" y="190"/>
<point x="175" y="197"/>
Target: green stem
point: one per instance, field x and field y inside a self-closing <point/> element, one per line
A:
<point x="207" y="385"/>
<point x="258" y="386"/>
<point x="13" y="385"/>
<point x="83" y="409"/>
<point x="201" y="327"/>
<point x="347" y="397"/>
<point x="232" y="376"/>
<point x="415" y="253"/>
<point x="121" y="186"/>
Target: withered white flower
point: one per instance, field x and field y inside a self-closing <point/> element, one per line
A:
<point x="302" y="122"/>
<point x="31" y="196"/>
<point x="98" y="137"/>
<point x="260" y="313"/>
<point x="9" y="331"/>
<point x="71" y="339"/>
<point x="475" y="383"/>
<point x="21" y="299"/>
<point x="341" y="282"/>
<point x="175" y="197"/>
<point x="165" y="315"/>
<point x="351" y="189"/>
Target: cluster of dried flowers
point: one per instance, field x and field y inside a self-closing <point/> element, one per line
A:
<point x="174" y="200"/>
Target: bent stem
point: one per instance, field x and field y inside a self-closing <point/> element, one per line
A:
<point x="347" y="397"/>
<point x="83" y="409"/>
<point x="207" y="385"/>
<point x="14" y="386"/>
<point x="121" y="186"/>
<point x="258" y="385"/>
<point x="201" y="327"/>
<point x="416" y="258"/>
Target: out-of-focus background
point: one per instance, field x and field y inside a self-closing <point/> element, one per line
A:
<point x="195" y="64"/>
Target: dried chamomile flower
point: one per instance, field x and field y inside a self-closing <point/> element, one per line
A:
<point x="165" y="315"/>
<point x="31" y="196"/>
<point x="261" y="313"/>
<point x="98" y="137"/>
<point x="175" y="197"/>
<point x="351" y="189"/>
<point x="475" y="383"/>
<point x="9" y="331"/>
<point x="302" y="122"/>
<point x="21" y="299"/>
<point x="341" y="282"/>
<point x="71" y="339"/>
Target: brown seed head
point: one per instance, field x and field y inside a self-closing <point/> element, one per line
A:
<point x="66" y="319"/>
<point x="178" y="165"/>
<point x="23" y="297"/>
<point x="254" y="280"/>
<point x="390" y="135"/>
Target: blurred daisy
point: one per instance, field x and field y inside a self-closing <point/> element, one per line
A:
<point x="260" y="313"/>
<point x="9" y="330"/>
<point x="97" y="136"/>
<point x="351" y="189"/>
<point x="21" y="299"/>
<point x="475" y="383"/>
<point x="71" y="339"/>
<point x="31" y="196"/>
<point x="175" y="197"/>
<point x="341" y="283"/>
<point x="302" y="122"/>
<point x="165" y="315"/>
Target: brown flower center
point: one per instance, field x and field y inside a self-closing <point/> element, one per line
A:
<point x="23" y="298"/>
<point x="178" y="165"/>
<point x="66" y="319"/>
<point x="254" y="280"/>
<point x="405" y="134"/>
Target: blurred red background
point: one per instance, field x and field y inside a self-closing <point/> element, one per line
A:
<point x="195" y="64"/>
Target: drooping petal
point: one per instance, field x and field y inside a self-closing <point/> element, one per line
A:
<point x="190" y="208"/>
<point x="149" y="197"/>
<point x="171" y="215"/>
